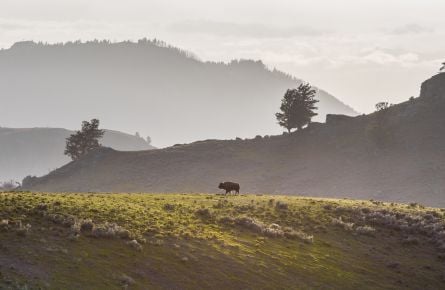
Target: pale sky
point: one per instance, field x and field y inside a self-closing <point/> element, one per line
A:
<point x="361" y="51"/>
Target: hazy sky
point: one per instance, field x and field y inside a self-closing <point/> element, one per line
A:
<point x="362" y="51"/>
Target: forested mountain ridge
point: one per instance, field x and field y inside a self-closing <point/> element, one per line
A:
<point x="147" y="86"/>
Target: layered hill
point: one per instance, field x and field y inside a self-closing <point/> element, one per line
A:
<point x="147" y="86"/>
<point x="36" y="151"/>
<point x="205" y="241"/>
<point x="395" y="154"/>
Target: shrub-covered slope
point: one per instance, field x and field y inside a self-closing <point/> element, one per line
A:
<point x="202" y="241"/>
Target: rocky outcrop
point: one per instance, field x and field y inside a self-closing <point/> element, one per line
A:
<point x="434" y="87"/>
<point x="337" y="118"/>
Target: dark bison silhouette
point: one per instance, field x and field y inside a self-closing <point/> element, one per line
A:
<point x="229" y="186"/>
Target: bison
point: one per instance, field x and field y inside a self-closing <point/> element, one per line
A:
<point x="229" y="186"/>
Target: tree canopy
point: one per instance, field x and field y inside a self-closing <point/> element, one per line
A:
<point x="297" y="107"/>
<point x="85" y="140"/>
<point x="381" y="106"/>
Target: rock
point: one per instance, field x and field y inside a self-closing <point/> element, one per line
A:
<point x="434" y="87"/>
<point x="337" y="119"/>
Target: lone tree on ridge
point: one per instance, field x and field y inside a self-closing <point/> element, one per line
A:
<point x="297" y="107"/>
<point x="85" y="140"/>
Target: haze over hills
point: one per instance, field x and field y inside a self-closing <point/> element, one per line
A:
<point x="150" y="87"/>
<point x="36" y="151"/>
<point x="396" y="154"/>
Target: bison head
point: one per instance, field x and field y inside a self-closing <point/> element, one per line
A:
<point x="221" y="186"/>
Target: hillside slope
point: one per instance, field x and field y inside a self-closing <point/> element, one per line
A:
<point x="146" y="86"/>
<point x="36" y="151"/>
<point x="396" y="155"/>
<point x="174" y="241"/>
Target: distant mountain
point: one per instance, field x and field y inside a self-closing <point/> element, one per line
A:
<point x="397" y="155"/>
<point x="36" y="151"/>
<point x="147" y="86"/>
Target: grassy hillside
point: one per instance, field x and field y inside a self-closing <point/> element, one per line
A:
<point x="194" y="241"/>
<point x="393" y="155"/>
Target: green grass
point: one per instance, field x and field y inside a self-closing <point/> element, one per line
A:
<point x="198" y="241"/>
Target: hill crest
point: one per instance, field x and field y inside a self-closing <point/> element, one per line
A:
<point x="340" y="158"/>
<point x="36" y="151"/>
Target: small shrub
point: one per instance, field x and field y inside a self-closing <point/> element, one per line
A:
<point x="135" y="245"/>
<point x="416" y="205"/>
<point x="342" y="209"/>
<point x="64" y="220"/>
<point x="244" y="208"/>
<point x="203" y="213"/>
<point x="74" y="237"/>
<point x="23" y="230"/>
<point x="296" y="234"/>
<point x="169" y="207"/>
<point x="42" y="207"/>
<point x="250" y="223"/>
<point x="273" y="230"/>
<point x="86" y="225"/>
<point x="410" y="240"/>
<point x="365" y="230"/>
<point x="345" y="225"/>
<point x="4" y="225"/>
<point x="126" y="280"/>
<point x="365" y="210"/>
<point x="226" y="220"/>
<point x="109" y="230"/>
<point x="221" y="204"/>
<point x="281" y="205"/>
<point x="433" y="213"/>
<point x="327" y="207"/>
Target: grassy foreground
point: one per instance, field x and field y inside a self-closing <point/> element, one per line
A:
<point x="195" y="241"/>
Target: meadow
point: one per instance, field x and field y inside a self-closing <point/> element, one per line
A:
<point x="201" y="241"/>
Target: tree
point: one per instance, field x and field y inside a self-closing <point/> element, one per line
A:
<point x="28" y="181"/>
<point x="297" y="107"/>
<point x="83" y="141"/>
<point x="382" y="106"/>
